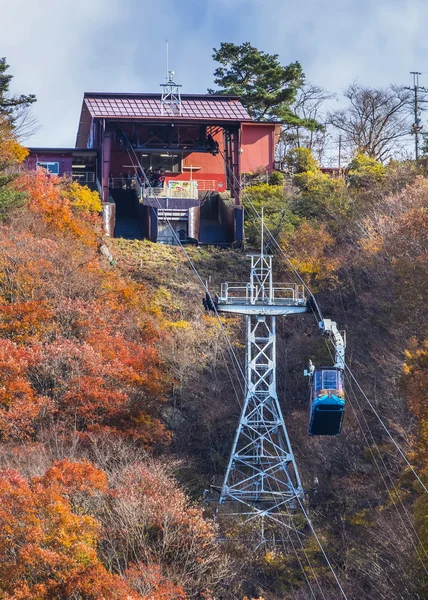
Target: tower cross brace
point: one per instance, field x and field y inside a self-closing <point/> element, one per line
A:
<point x="262" y="476"/>
<point x="171" y="96"/>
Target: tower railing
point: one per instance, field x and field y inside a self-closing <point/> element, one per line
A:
<point x="290" y="294"/>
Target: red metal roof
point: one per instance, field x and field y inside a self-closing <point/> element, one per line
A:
<point x="148" y="106"/>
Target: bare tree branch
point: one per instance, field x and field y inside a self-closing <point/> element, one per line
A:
<point x="375" y="120"/>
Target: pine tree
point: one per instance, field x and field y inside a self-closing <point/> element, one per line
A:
<point x="9" y="103"/>
<point x="12" y="118"/>
<point x="266" y="88"/>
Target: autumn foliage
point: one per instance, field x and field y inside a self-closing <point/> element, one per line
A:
<point x="55" y="529"/>
<point x="78" y="345"/>
<point x="80" y="360"/>
<point x="102" y="362"/>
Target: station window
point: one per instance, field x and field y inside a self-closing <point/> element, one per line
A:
<point x="168" y="162"/>
<point x="52" y="167"/>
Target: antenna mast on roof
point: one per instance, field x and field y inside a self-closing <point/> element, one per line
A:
<point x="171" y="97"/>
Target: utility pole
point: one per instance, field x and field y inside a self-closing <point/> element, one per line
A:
<point x="416" y="127"/>
<point x="340" y="151"/>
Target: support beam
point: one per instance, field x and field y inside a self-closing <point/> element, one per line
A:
<point x="236" y="165"/>
<point x="106" y="157"/>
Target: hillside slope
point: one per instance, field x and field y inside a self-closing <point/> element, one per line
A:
<point x="119" y="400"/>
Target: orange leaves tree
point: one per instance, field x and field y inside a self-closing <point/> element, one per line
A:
<point x="57" y="203"/>
<point x="72" y="533"/>
<point x="48" y="549"/>
<point x="82" y="339"/>
<point x="21" y="407"/>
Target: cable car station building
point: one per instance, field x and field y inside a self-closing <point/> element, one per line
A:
<point x="196" y="145"/>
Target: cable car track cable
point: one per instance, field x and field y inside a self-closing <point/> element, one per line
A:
<point x="321" y="319"/>
<point x="235" y="360"/>
<point x="415" y="546"/>
<point x="347" y="368"/>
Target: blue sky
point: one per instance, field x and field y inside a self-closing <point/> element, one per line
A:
<point x="58" y="50"/>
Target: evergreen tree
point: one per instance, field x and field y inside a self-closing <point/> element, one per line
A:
<point x="267" y="88"/>
<point x="13" y="111"/>
<point x="10" y="104"/>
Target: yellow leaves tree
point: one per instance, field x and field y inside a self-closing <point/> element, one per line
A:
<point x="11" y="155"/>
<point x="320" y="196"/>
<point x="364" y="171"/>
<point x="10" y="149"/>
<point x="310" y="249"/>
<point x="82" y="198"/>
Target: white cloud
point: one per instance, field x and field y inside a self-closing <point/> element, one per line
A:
<point x="58" y="50"/>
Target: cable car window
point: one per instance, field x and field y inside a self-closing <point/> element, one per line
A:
<point x="318" y="380"/>
<point x="329" y="380"/>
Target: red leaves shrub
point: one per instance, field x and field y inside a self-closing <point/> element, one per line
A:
<point x="21" y="406"/>
<point x="149" y="581"/>
<point x="85" y="336"/>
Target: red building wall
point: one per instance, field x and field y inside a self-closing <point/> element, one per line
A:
<point x="257" y="147"/>
<point x="204" y="166"/>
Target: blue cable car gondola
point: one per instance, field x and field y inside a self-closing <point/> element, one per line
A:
<point x="327" y="401"/>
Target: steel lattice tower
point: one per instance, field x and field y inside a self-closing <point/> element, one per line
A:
<point x="171" y="97"/>
<point x="262" y="477"/>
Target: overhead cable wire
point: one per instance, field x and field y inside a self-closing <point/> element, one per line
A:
<point x="298" y="537"/>
<point x="305" y="514"/>
<point x="385" y="428"/>
<point x="320" y="546"/>
<point x="286" y="470"/>
<point x="235" y="360"/>
<point x="321" y="318"/>
<point x="303" y="549"/>
<point x="406" y="528"/>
